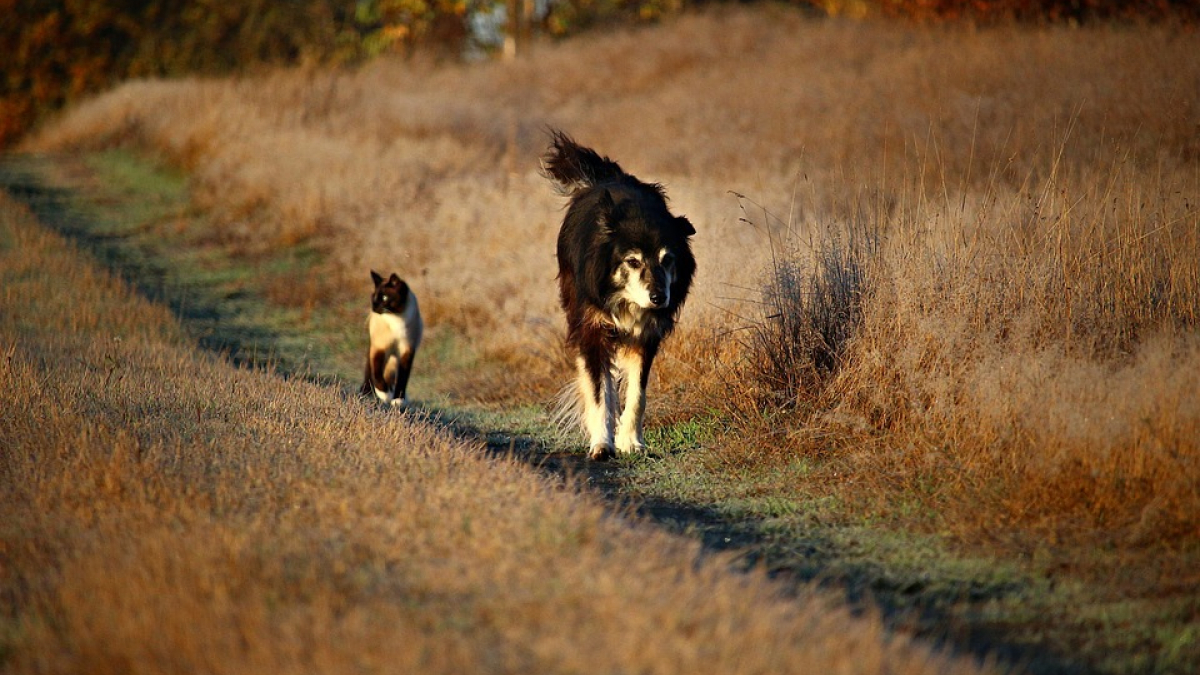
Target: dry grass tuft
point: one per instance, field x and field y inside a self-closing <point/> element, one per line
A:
<point x="811" y="309"/>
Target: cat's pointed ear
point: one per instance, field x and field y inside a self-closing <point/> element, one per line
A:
<point x="395" y="279"/>
<point x="375" y="277"/>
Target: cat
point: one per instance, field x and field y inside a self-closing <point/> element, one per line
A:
<point x="395" y="328"/>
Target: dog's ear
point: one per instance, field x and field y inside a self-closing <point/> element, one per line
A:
<point x="375" y="277"/>
<point x="684" y="226"/>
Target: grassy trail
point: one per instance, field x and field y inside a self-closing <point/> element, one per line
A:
<point x="166" y="512"/>
<point x="135" y="218"/>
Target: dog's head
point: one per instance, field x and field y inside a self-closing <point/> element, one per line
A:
<point x="649" y="260"/>
<point x="390" y="295"/>
<point x="643" y="276"/>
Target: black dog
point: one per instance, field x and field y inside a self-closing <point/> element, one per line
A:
<point x="624" y="268"/>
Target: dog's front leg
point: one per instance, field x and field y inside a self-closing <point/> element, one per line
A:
<point x="634" y="363"/>
<point x="629" y="428"/>
<point x="596" y="388"/>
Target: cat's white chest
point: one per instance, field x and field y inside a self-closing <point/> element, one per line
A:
<point x="398" y="332"/>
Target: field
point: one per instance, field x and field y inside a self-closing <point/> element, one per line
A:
<point x="948" y="292"/>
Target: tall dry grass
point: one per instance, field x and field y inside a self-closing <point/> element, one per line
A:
<point x="1032" y="371"/>
<point x="165" y="512"/>
<point x="1045" y="359"/>
<point x="1028" y="336"/>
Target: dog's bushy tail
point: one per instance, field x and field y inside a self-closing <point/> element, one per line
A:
<point x="573" y="167"/>
<point x="566" y="411"/>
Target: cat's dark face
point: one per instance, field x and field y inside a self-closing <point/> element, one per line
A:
<point x="390" y="296"/>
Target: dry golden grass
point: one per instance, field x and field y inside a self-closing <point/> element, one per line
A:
<point x="165" y="512"/>
<point x="1042" y="366"/>
<point x="1027" y="355"/>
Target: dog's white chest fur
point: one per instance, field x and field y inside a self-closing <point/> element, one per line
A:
<point x="631" y="320"/>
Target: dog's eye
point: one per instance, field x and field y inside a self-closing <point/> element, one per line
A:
<point x="633" y="263"/>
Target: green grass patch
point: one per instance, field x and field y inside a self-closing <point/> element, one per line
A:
<point x="687" y="434"/>
<point x="134" y="213"/>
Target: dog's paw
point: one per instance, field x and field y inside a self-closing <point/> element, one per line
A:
<point x="632" y="447"/>
<point x="601" y="453"/>
<point x="630" y="441"/>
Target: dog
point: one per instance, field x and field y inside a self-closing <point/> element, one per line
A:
<point x="625" y="265"/>
<point x="395" y="328"/>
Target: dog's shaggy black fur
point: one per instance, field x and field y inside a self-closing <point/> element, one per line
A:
<point x="625" y="265"/>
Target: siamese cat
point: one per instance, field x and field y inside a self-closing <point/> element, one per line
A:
<point x="395" y="328"/>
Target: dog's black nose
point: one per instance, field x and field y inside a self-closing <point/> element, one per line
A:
<point x="658" y="297"/>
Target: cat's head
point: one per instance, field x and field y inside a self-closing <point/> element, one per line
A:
<point x="390" y="296"/>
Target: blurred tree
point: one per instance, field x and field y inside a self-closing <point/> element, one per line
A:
<point x="54" y="52"/>
<point x="57" y="50"/>
<point x="566" y="17"/>
<point x="396" y="25"/>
